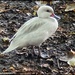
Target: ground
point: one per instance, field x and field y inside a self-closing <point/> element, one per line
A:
<point x="21" y="61"/>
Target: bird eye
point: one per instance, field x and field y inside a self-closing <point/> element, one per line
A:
<point x="48" y="10"/>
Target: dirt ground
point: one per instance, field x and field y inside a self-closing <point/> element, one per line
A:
<point x="22" y="61"/>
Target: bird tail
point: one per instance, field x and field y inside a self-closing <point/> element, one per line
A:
<point x="10" y="48"/>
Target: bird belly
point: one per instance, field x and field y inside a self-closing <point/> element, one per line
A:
<point x="36" y="38"/>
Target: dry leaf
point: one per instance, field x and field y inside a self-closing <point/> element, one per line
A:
<point x="35" y="7"/>
<point x="5" y="70"/>
<point x="5" y="39"/>
<point x="63" y="6"/>
<point x="74" y="10"/>
<point x="70" y="7"/>
<point x="45" y="65"/>
<point x="39" y="3"/>
<point x="73" y="0"/>
<point x="55" y="2"/>
<point x="73" y="52"/>
<point x="26" y="69"/>
<point x="70" y="58"/>
<point x="2" y="55"/>
<point x="12" y="68"/>
<point x="2" y="7"/>
<point x="2" y="29"/>
<point x="48" y="48"/>
<point x="72" y="33"/>
<point x="60" y="29"/>
<point x="34" y="13"/>
<point x="71" y="61"/>
<point x="2" y="10"/>
<point x="44" y="2"/>
<point x="29" y="14"/>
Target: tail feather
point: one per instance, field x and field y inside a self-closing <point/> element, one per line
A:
<point x="10" y="48"/>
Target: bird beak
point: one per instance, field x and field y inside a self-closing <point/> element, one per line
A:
<point x="55" y="16"/>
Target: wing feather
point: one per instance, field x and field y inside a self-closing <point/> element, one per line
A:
<point x="29" y="26"/>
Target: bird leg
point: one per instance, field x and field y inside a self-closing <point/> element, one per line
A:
<point x="36" y="51"/>
<point x="43" y="53"/>
<point x="39" y="51"/>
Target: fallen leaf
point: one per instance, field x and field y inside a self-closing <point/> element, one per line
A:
<point x="26" y="69"/>
<point x="2" y="29"/>
<point x="2" y="55"/>
<point x="70" y="58"/>
<point x="35" y="7"/>
<point x="5" y="39"/>
<point x="5" y="70"/>
<point x="34" y="13"/>
<point x="39" y="3"/>
<point x="55" y="2"/>
<point x="60" y="29"/>
<point x="73" y="0"/>
<point x="29" y="14"/>
<point x="12" y="68"/>
<point x="73" y="52"/>
<point x="48" y="48"/>
<point x="63" y="6"/>
<point x="71" y="61"/>
<point x="45" y="65"/>
<point x="2" y="10"/>
<point x="72" y="33"/>
<point x="70" y="7"/>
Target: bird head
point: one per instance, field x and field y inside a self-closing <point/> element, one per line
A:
<point x="46" y="11"/>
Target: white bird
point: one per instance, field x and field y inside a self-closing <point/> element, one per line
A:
<point x="36" y="30"/>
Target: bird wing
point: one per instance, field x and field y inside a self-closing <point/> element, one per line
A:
<point x="36" y="38"/>
<point x="29" y="26"/>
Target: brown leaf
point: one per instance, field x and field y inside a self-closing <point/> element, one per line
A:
<point x="70" y="58"/>
<point x="26" y="69"/>
<point x="3" y="55"/>
<point x="73" y="52"/>
<point x="35" y="7"/>
<point x="5" y="70"/>
<point x="70" y="7"/>
<point x="12" y="68"/>
<point x="60" y="29"/>
<point x="70" y="54"/>
<point x="2" y="7"/>
<point x="2" y="29"/>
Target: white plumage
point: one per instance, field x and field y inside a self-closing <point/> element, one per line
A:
<point x="36" y="30"/>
